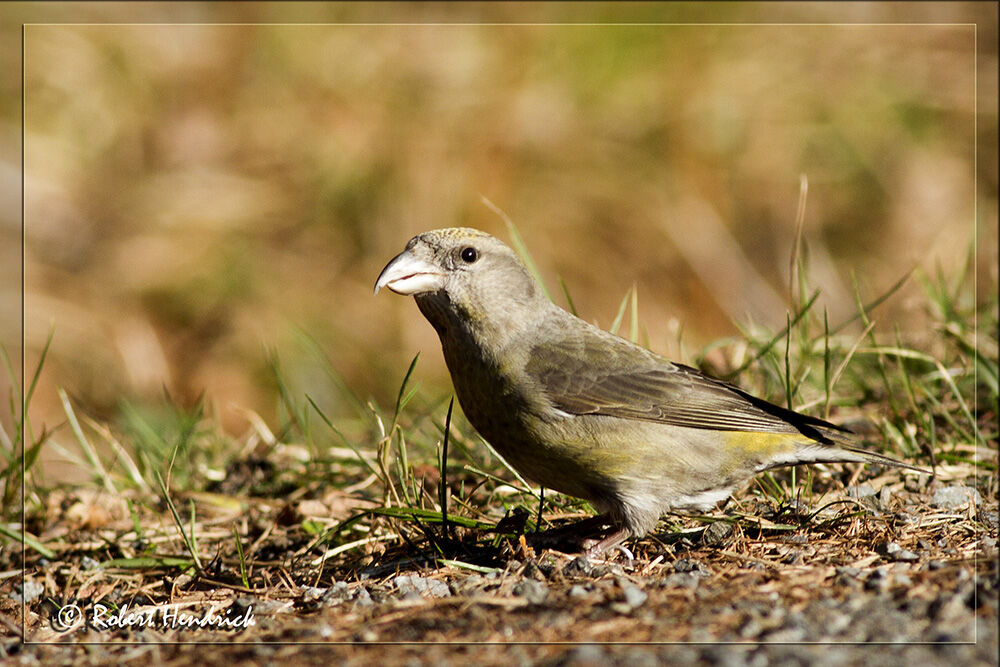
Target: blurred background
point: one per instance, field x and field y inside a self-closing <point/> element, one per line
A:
<point x="196" y="195"/>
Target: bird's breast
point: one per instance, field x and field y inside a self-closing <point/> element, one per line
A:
<point x="519" y="422"/>
<point x="489" y="394"/>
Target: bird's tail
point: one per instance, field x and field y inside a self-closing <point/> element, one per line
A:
<point x="864" y="456"/>
<point x="845" y="448"/>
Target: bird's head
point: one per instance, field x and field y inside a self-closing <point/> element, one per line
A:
<point x="466" y="278"/>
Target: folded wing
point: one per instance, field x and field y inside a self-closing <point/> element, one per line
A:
<point x="596" y="373"/>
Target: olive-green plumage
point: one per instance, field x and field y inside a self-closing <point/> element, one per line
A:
<point x="587" y="413"/>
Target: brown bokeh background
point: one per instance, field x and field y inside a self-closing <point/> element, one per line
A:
<point x="196" y="194"/>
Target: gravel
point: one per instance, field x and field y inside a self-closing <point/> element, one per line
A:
<point x="955" y="496"/>
<point x="414" y="587"/>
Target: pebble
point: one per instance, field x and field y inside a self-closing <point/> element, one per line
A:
<point x="895" y="552"/>
<point x="751" y="629"/>
<point x="860" y="491"/>
<point x="955" y="496"/>
<point x="587" y="654"/>
<point x="948" y="608"/>
<point x="687" y="565"/>
<point x="793" y="557"/>
<point x="533" y="590"/>
<point x="634" y="596"/>
<point x="362" y="598"/>
<point x="338" y="591"/>
<point x="412" y="584"/>
<point x="795" y="507"/>
<point x="846" y="576"/>
<point x="792" y="634"/>
<point x="716" y="533"/>
<point x="313" y="593"/>
<point x="533" y="571"/>
<point x="578" y="567"/>
<point x="30" y="590"/>
<point x="259" y="606"/>
<point x="470" y="584"/>
<point x="878" y="580"/>
<point x="681" y="580"/>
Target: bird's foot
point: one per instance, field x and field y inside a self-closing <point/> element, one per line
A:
<point x="612" y="541"/>
<point x="590" y="536"/>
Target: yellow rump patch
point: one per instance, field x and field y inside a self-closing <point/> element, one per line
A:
<point x="767" y="444"/>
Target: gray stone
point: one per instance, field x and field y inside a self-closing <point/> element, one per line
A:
<point x="587" y="654"/>
<point x="955" y="496"/>
<point x="27" y="592"/>
<point x="681" y="580"/>
<point x="860" y="491"/>
<point x="888" y="548"/>
<point x="533" y="590"/>
<point x="751" y="628"/>
<point x="634" y="596"/>
<point x="336" y="593"/>
<point x="312" y="593"/>
<point x="687" y="565"/>
<point x="407" y="584"/>
<point x="894" y="552"/>
<point x="716" y="533"/>
<point x="362" y="598"/>
<point x="793" y="557"/>
<point x="578" y="567"/>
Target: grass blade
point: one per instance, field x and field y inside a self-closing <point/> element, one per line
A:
<point x="620" y="315"/>
<point x="774" y="341"/>
<point x="85" y="445"/>
<point x="180" y="525"/>
<point x="27" y="540"/>
<point x="519" y="245"/>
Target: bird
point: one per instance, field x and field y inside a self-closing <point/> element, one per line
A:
<point x="585" y="412"/>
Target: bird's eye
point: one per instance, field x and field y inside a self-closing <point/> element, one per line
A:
<point x="469" y="255"/>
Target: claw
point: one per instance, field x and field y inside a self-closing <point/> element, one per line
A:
<point x="615" y="539"/>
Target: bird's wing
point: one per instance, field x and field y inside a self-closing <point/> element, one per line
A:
<point x="595" y="373"/>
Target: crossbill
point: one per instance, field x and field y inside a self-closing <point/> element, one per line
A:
<point x="585" y="412"/>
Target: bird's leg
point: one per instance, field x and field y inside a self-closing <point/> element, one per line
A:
<point x="615" y="539"/>
<point x="589" y="536"/>
<point x="578" y="535"/>
<point x="585" y="526"/>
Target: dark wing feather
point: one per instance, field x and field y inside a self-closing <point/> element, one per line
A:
<point x="596" y="373"/>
